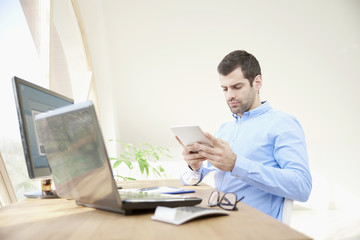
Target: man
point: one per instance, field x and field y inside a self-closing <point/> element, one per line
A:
<point x="261" y="154"/>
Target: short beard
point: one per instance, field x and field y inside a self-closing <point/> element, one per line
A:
<point x="244" y="105"/>
<point x="240" y="110"/>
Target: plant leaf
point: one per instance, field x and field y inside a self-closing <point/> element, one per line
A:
<point x="147" y="169"/>
<point x="155" y="155"/>
<point x="141" y="166"/>
<point x="161" y="169"/>
<point x="129" y="164"/>
<point x="116" y="164"/>
<point x="125" y="178"/>
<point x="155" y="171"/>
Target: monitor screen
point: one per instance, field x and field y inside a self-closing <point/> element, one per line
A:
<point x="30" y="100"/>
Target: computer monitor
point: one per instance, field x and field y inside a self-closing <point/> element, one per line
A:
<point x="30" y="100"/>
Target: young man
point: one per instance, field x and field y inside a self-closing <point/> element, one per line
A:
<point x="261" y="154"/>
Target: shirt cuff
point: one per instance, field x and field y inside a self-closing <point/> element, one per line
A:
<point x="190" y="177"/>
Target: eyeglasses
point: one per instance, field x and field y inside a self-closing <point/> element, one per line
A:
<point x="228" y="201"/>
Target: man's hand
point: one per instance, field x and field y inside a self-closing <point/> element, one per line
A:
<point x="220" y="155"/>
<point x="193" y="158"/>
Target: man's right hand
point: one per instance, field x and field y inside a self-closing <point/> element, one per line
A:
<point x="193" y="158"/>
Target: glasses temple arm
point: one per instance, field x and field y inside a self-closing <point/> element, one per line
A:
<point x="240" y="199"/>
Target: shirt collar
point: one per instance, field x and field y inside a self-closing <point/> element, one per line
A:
<point x="264" y="107"/>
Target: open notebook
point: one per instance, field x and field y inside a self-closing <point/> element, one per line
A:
<point x="80" y="166"/>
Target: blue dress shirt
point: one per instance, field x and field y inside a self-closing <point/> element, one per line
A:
<point x="271" y="163"/>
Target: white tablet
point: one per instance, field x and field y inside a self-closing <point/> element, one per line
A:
<point x="188" y="135"/>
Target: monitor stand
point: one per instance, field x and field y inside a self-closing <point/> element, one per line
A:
<point x="45" y="193"/>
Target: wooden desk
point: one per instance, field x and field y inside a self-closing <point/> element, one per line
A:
<point x="63" y="219"/>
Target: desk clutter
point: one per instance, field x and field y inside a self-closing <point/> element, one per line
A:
<point x="45" y="215"/>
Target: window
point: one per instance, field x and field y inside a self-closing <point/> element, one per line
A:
<point x="20" y="57"/>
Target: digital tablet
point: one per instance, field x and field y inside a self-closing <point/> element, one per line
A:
<point x="189" y="135"/>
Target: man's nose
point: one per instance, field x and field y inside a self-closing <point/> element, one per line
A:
<point x="230" y="94"/>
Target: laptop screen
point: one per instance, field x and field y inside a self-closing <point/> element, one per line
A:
<point x="77" y="154"/>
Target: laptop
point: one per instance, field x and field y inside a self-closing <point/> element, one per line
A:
<point x="80" y="166"/>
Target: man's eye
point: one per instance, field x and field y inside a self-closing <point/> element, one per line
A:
<point x="224" y="89"/>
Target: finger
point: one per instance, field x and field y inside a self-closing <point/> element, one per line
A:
<point x="212" y="139"/>
<point x="195" y="160"/>
<point x="190" y="153"/>
<point x="204" y="148"/>
<point x="190" y="149"/>
<point x="209" y="156"/>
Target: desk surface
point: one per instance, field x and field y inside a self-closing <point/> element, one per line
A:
<point x="63" y="219"/>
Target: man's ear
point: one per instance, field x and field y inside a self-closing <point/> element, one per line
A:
<point x="257" y="83"/>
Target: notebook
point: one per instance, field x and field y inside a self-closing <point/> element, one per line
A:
<point x="80" y="166"/>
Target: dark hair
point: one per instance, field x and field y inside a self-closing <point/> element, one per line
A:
<point x="239" y="58"/>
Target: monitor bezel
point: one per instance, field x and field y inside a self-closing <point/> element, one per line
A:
<point x="34" y="173"/>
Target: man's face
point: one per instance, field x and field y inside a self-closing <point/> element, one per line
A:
<point x="239" y="95"/>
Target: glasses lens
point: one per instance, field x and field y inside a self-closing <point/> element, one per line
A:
<point x="213" y="199"/>
<point x="228" y="201"/>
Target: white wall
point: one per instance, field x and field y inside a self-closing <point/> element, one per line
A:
<point x="162" y="57"/>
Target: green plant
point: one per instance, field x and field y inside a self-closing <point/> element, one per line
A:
<point x="144" y="155"/>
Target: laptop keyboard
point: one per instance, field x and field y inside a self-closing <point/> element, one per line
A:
<point x="180" y="215"/>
